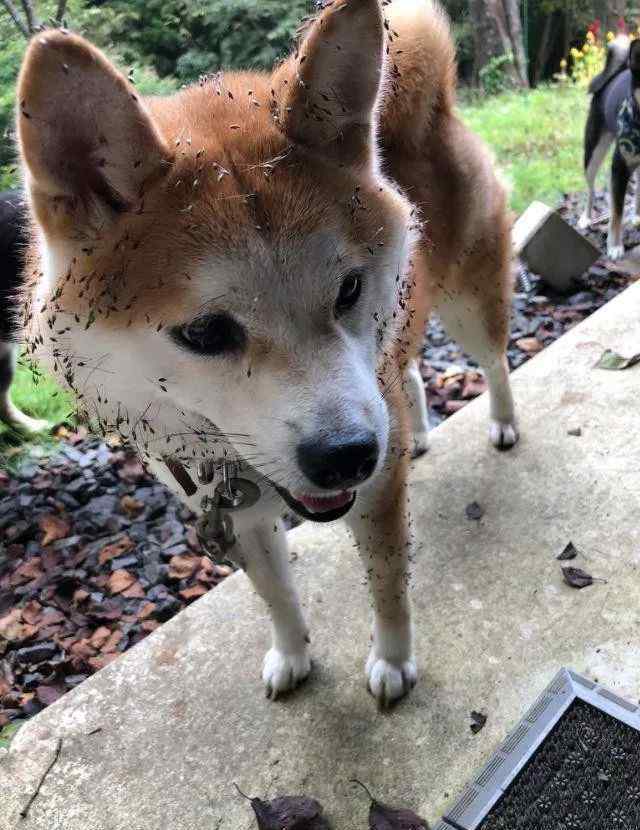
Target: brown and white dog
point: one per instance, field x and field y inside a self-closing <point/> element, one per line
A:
<point x="241" y="269"/>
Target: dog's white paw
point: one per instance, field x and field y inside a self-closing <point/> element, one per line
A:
<point x="503" y="436"/>
<point x="17" y="419"/>
<point x="283" y="672"/>
<point x="389" y="681"/>
<point x="420" y="443"/>
<point x="615" y="252"/>
<point x="584" y="222"/>
<point x="635" y="221"/>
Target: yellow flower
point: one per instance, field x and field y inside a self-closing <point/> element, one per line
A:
<point x="563" y="64"/>
<point x="610" y="36"/>
<point x="591" y="37"/>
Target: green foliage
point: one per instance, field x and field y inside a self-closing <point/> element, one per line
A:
<point x="7" y="733"/>
<point x="494" y="77"/>
<point x="536" y="137"/>
<point x="187" y="38"/>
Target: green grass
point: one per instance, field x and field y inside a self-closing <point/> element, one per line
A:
<point x="40" y="397"/>
<point x="537" y="138"/>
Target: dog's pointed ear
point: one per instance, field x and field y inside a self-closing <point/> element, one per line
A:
<point x="325" y="95"/>
<point x="84" y="134"/>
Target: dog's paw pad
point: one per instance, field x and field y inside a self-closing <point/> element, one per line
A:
<point x="420" y="444"/>
<point x="503" y="436"/>
<point x="389" y="681"/>
<point x="283" y="672"/>
<point x="615" y="252"/>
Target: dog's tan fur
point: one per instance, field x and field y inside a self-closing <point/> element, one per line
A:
<point x="132" y="198"/>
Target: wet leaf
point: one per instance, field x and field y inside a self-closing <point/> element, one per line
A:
<point x="295" y="812"/>
<point x="474" y="512"/>
<point x="615" y="362"/>
<point x="577" y="578"/>
<point x="478" y="721"/>
<point x="570" y="552"/>
<point x="384" y="817"/>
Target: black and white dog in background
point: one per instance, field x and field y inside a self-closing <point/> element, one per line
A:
<point x="12" y="242"/>
<point x="614" y="116"/>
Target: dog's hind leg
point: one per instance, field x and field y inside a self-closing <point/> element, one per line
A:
<point x="9" y="413"/>
<point x="636" y="204"/>
<point x="417" y="400"/>
<point x="597" y="143"/>
<point x="265" y="558"/>
<point x="620" y="175"/>
<point x="477" y="315"/>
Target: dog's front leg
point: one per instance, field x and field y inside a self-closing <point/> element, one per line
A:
<point x="380" y="521"/>
<point x="263" y="553"/>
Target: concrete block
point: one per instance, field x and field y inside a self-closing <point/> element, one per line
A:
<point x="551" y="247"/>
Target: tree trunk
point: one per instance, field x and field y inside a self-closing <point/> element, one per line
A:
<point x="543" y="50"/>
<point x="498" y="31"/>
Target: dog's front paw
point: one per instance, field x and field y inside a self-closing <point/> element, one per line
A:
<point x="503" y="436"/>
<point x="283" y="672"/>
<point x="615" y="252"/>
<point x="388" y="681"/>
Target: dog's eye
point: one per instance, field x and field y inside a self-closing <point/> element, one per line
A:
<point x="349" y="292"/>
<point x="215" y="334"/>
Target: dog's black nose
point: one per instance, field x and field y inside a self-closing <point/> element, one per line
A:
<point x="341" y="461"/>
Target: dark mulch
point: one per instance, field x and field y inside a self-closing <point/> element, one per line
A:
<point x="94" y="555"/>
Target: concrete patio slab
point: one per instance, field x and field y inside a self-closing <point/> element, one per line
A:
<point x="182" y="715"/>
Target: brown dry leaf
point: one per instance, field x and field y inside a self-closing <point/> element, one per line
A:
<point x="530" y="345"/>
<point x="54" y="528"/>
<point x="135" y="591"/>
<point x="120" y="580"/>
<point x="116" y="549"/>
<point x="149" y="625"/>
<point x="478" y="721"/>
<point x="569" y="552"/>
<point x="113" y="642"/>
<point x="294" y="812"/>
<point x="384" y="817"/>
<point x="131" y="506"/>
<point x="101" y="660"/>
<point x="577" y="578"/>
<point x="194" y="592"/>
<point x="616" y="362"/>
<point x="147" y="610"/>
<point x="48" y="694"/>
<point x="100" y="637"/>
<point x="31" y="612"/>
<point x="184" y="566"/>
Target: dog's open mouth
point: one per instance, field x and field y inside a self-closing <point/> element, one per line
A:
<point x="320" y="508"/>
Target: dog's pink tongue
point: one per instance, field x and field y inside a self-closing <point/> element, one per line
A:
<point x="320" y="504"/>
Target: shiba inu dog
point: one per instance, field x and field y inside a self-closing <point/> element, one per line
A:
<point x="12" y="243"/>
<point x="245" y="269"/>
<point x="614" y="116"/>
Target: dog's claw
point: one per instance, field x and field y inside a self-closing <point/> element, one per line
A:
<point x="503" y="436"/>
<point x="284" y="672"/>
<point x="420" y="444"/>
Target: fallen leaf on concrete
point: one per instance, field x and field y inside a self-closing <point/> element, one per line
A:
<point x="474" y="512"/>
<point x="54" y="528"/>
<point x="384" y="817"/>
<point x="577" y="578"/>
<point x="131" y="506"/>
<point x="576" y="432"/>
<point x="478" y="721"/>
<point x="295" y="812"/>
<point x="613" y="361"/>
<point x="570" y="552"/>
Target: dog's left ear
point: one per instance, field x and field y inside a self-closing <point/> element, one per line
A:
<point x="634" y="56"/>
<point x="325" y="95"/>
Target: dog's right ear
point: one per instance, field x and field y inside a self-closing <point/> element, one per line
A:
<point x="85" y="136"/>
